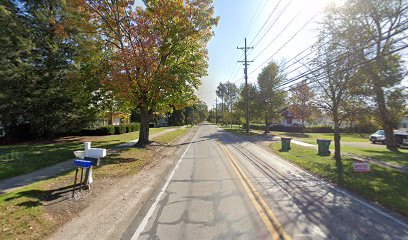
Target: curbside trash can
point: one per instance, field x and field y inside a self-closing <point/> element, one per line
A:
<point x="285" y="144"/>
<point x="323" y="147"/>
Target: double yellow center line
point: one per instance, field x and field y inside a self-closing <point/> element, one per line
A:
<point x="274" y="227"/>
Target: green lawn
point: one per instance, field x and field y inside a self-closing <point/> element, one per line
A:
<point x="238" y="130"/>
<point x="22" y="212"/>
<point x="170" y="136"/>
<point x="312" y="137"/>
<point x="384" y="186"/>
<point x="24" y="158"/>
<point x="381" y="153"/>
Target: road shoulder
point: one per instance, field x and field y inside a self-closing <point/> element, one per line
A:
<point x="108" y="216"/>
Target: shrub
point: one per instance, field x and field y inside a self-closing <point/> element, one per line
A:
<point x="106" y="130"/>
<point x="128" y="128"/>
<point x="135" y="127"/>
<point x="120" y="129"/>
<point x="87" y="132"/>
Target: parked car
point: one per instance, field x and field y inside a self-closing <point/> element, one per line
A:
<point x="378" y="136"/>
<point x="401" y="135"/>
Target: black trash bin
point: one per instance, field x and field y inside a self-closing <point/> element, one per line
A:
<point x="323" y="147"/>
<point x="285" y="144"/>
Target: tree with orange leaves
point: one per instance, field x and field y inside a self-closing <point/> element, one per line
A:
<point x="301" y="102"/>
<point x="158" y="52"/>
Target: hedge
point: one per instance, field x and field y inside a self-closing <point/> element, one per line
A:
<point x="102" y="131"/>
<point x="128" y="128"/>
<point x="110" y="130"/>
<point x="120" y="129"/>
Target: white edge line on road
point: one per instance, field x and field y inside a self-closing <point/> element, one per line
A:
<point x="374" y="208"/>
<point x="148" y="215"/>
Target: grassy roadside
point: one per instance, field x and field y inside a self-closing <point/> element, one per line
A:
<point x="399" y="157"/>
<point x="379" y="152"/>
<point x="25" y="213"/>
<point x="381" y="185"/>
<point x="312" y="137"/>
<point x="24" y="158"/>
<point x="236" y="129"/>
<point x="168" y="137"/>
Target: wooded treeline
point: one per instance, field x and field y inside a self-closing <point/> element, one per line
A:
<point x="65" y="64"/>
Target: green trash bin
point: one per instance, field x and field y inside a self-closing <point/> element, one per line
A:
<point x="323" y="147"/>
<point x="285" y="144"/>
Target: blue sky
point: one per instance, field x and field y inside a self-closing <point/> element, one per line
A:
<point x="244" y="18"/>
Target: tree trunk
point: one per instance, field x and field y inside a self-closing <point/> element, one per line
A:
<point x="337" y="149"/>
<point x="231" y="115"/>
<point x="267" y="124"/>
<point x="303" y="126"/>
<point x="144" y="128"/>
<point x="385" y="118"/>
<point x="383" y="112"/>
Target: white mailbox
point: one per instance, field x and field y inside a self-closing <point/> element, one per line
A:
<point x="94" y="152"/>
<point x="90" y="152"/>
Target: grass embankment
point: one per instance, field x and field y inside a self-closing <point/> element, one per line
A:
<point x="362" y="146"/>
<point x="382" y="153"/>
<point x="24" y="158"/>
<point x="24" y="214"/>
<point x="381" y="185"/>
<point x="170" y="136"/>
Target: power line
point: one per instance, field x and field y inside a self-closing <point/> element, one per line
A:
<point x="254" y="18"/>
<point x="290" y="39"/>
<point x="292" y="80"/>
<point x="316" y="47"/>
<point x="297" y="15"/>
<point x="270" y="26"/>
<point x="321" y="45"/>
<point x="270" y="15"/>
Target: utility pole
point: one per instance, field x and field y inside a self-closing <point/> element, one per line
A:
<point x="216" y="111"/>
<point x="245" y="49"/>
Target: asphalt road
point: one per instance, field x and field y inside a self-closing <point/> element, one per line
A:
<point x="226" y="188"/>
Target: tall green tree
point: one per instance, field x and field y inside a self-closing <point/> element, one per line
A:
<point x="271" y="100"/>
<point x="221" y="93"/>
<point x="240" y="106"/>
<point x="15" y="47"/>
<point x="333" y="80"/>
<point x="54" y="63"/>
<point x="378" y="26"/>
<point x="231" y="97"/>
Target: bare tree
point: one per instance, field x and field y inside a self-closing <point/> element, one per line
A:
<point x="332" y="83"/>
